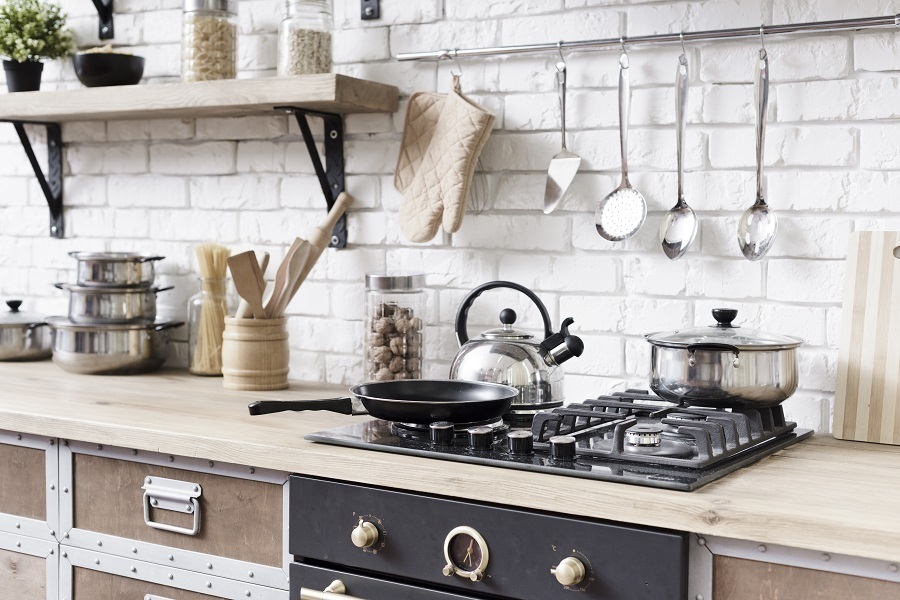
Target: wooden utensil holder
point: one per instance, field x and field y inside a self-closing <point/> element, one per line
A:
<point x="255" y="354"/>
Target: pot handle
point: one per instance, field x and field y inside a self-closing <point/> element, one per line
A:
<point x="164" y="326"/>
<point x="343" y="406"/>
<point x="462" y="316"/>
<point x="145" y="259"/>
<point x="164" y="289"/>
<point x="712" y="347"/>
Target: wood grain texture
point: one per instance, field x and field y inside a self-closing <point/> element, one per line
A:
<point x="326" y="92"/>
<point x="22" y="577"/>
<point x="256" y="354"/>
<point x="822" y="494"/>
<point x="239" y="519"/>
<point x="23" y="482"/>
<point x="94" y="585"/>
<point x="868" y="382"/>
<point x="741" y="579"/>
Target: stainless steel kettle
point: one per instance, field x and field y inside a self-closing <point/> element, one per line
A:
<point x="512" y="357"/>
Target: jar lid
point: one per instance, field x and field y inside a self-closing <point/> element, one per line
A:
<point x="399" y="281"/>
<point x="229" y="6"/>
<point x="723" y="332"/>
<point x="16" y="318"/>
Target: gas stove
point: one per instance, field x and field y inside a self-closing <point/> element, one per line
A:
<point x="629" y="437"/>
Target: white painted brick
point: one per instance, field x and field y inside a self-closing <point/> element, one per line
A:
<point x="637" y="357"/>
<point x="802" y="11"/>
<point x="876" y="52"/>
<point x="810" y="410"/>
<point x="360" y="45"/>
<point x="162" y="60"/>
<point x="368" y="123"/>
<point x="818" y="190"/>
<point x="302" y="192"/>
<point x="814" y="281"/>
<point x="719" y="190"/>
<point x="347" y="300"/>
<point x="14" y="191"/>
<point x="445" y="34"/>
<point x="346" y="370"/>
<point x="129" y="30"/>
<point x="136" y="6"/>
<point x="367" y="228"/>
<point x="656" y="275"/>
<point x="325" y="335"/>
<point x="792" y="146"/>
<point x="20" y="252"/>
<point x="275" y="227"/>
<point x="14" y="162"/>
<point x="517" y="232"/>
<point x="393" y="12"/>
<point x="147" y="190"/>
<point x="394" y="237"/>
<point x="365" y="156"/>
<point x="260" y="16"/>
<point x="312" y="299"/>
<point x="89" y="222"/>
<point x="733" y="104"/>
<point x="520" y="152"/>
<point x="725" y="279"/>
<point x="553" y="273"/>
<point x="484" y="313"/>
<point x="131" y="222"/>
<point x="242" y="128"/>
<point x="533" y="74"/>
<point x="478" y="9"/>
<point x="408" y="76"/>
<point x="457" y="268"/>
<point x="256" y="52"/>
<point x="153" y="129"/>
<point x="576" y="25"/>
<point x="801" y="321"/>
<point x="812" y="237"/>
<point x="234" y="193"/>
<point x="297" y="159"/>
<point x="352" y="264"/>
<point x="208" y="158"/>
<point x="718" y="235"/>
<point x="833" y="326"/>
<point x="585" y="236"/>
<point x="647" y="149"/>
<point x="391" y="199"/>
<point x="625" y="315"/>
<point x="365" y="189"/>
<point x="82" y="131"/>
<point x="603" y="356"/>
<point x="307" y="366"/>
<point x="85" y="191"/>
<point x="694" y="16"/>
<point x="160" y="26"/>
<point x="107" y="158"/>
<point x="194" y="225"/>
<point x="879" y="148"/>
<point x="264" y="156"/>
<point x="807" y="58"/>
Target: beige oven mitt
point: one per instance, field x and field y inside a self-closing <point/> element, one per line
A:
<point x="442" y="139"/>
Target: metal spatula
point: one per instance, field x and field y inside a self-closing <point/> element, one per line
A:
<point x="564" y="165"/>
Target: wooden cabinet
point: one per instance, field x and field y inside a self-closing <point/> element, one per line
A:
<point x="28" y="485"/>
<point x="28" y="568"/>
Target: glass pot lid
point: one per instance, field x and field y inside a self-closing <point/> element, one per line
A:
<point x="16" y="318"/>
<point x="723" y="332"/>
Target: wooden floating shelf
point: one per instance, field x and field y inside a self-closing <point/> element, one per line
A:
<point x="237" y="97"/>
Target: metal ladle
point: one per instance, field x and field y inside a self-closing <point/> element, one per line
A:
<point x="679" y="226"/>
<point x="621" y="213"/>
<point x="759" y="224"/>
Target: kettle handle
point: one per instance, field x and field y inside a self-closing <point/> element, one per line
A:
<point x="462" y="315"/>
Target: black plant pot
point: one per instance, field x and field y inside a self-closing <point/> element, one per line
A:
<point x="23" y="77"/>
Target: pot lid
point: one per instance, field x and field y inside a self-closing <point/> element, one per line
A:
<point x="114" y="256"/>
<point x="507" y="317"/>
<point x="65" y="324"/>
<point x="16" y="318"/>
<point x="723" y="332"/>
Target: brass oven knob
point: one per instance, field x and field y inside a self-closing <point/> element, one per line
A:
<point x="570" y="571"/>
<point x="364" y="535"/>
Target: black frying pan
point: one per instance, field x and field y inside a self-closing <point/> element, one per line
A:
<point x="410" y="401"/>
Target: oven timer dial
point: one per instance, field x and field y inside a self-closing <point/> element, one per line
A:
<point x="466" y="553"/>
<point x="569" y="571"/>
<point x="365" y="534"/>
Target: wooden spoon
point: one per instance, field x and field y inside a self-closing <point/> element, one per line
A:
<point x="281" y="277"/>
<point x="320" y="236"/>
<point x="248" y="280"/>
<point x="295" y="263"/>
<point x="243" y="310"/>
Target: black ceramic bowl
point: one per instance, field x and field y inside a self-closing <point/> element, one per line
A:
<point x="104" y="69"/>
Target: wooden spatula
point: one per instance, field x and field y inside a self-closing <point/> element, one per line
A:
<point x="281" y="277"/>
<point x="296" y="260"/>
<point x="248" y="280"/>
<point x="243" y="310"/>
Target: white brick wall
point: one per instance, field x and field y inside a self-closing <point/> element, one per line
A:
<point x="833" y="166"/>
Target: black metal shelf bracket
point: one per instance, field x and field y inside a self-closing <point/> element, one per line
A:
<point x="52" y="184"/>
<point x="105" y="11"/>
<point x="331" y="175"/>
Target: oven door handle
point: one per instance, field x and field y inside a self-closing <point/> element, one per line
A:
<point x="336" y="591"/>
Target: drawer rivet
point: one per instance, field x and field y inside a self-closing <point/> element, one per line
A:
<point x="209" y="584"/>
<point x="66" y="536"/>
<point x="134" y="550"/>
<point x="97" y="561"/>
<point x="171" y="577"/>
<point x="154" y="501"/>
<point x="171" y="459"/>
<point x="171" y="557"/>
<point x="247" y="593"/>
<point x="52" y="532"/>
<point x="52" y="486"/>
<point x="212" y="464"/>
<point x="701" y="541"/>
<point x="188" y="507"/>
<point x="250" y="574"/>
<point x="196" y="488"/>
<point x="134" y="569"/>
<point x="826" y="557"/>
<point x="19" y="437"/>
<point x="65" y="555"/>
<point x="65" y="442"/>
<point x="209" y="565"/>
<point x="699" y="597"/>
<point x="762" y="548"/>
<point x="134" y="452"/>
<point x="893" y="567"/>
<point x="99" y="542"/>
<point x="65" y="490"/>
<point x="18" y="526"/>
<point x="252" y="470"/>
<point x="52" y="442"/>
<point x="148" y="480"/>
<point x="99" y="446"/>
<point x="52" y="551"/>
<point x="18" y="544"/>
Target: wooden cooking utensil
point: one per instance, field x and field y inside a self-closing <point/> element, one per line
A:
<point x="281" y="277"/>
<point x="867" y="399"/>
<point x="248" y="281"/>
<point x="243" y="310"/>
<point x="295" y="263"/>
<point x="320" y="236"/>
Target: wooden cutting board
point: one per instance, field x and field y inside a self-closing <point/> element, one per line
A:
<point x="867" y="401"/>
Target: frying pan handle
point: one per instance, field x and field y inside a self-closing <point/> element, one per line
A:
<point x="343" y="406"/>
<point x="462" y="316"/>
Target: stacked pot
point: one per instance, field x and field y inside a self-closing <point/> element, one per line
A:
<point x="111" y="328"/>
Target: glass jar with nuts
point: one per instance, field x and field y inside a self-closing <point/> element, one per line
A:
<point x="394" y="326"/>
<point x="209" y="40"/>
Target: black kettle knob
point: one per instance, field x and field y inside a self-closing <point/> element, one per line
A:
<point x="724" y="316"/>
<point x="508" y="316"/>
<point x="14" y="305"/>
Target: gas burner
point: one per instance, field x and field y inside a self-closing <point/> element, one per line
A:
<point x="644" y="436"/>
<point x="448" y="430"/>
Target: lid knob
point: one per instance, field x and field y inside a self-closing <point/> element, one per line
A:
<point x="508" y="316"/>
<point x="14" y="305"/>
<point x="724" y="316"/>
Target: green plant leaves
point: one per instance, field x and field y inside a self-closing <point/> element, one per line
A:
<point x="31" y="30"/>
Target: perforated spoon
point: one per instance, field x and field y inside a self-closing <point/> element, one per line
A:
<point x="621" y="213"/>
<point x="759" y="224"/>
<point x="679" y="227"/>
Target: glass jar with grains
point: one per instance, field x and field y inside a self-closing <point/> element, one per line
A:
<point x="304" y="38"/>
<point x="394" y="324"/>
<point x="209" y="40"/>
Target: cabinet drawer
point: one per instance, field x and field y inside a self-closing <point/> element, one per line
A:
<point x="94" y="585"/>
<point x="27" y="568"/>
<point x="28" y="490"/>
<point x="120" y="504"/>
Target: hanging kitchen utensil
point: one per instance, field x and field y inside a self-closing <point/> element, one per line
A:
<point x="420" y="401"/>
<point x="622" y="212"/>
<point x="679" y="227"/>
<point x="248" y="280"/>
<point x="759" y="224"/>
<point x="564" y="165"/>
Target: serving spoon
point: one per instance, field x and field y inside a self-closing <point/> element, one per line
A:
<point x="679" y="227"/>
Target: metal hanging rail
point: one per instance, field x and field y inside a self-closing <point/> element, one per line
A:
<point x="666" y="38"/>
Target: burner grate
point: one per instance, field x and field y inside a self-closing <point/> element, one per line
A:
<point x="715" y="435"/>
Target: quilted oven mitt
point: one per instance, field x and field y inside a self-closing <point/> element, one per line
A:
<point x="442" y="139"/>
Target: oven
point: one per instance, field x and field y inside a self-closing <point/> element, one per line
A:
<point x="371" y="543"/>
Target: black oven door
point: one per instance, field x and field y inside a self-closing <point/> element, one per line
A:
<point x="309" y="582"/>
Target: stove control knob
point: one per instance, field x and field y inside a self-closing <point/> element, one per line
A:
<point x="562" y="448"/>
<point x="521" y="443"/>
<point x="442" y="433"/>
<point x="570" y="571"/>
<point x="364" y="535"/>
<point x="481" y="438"/>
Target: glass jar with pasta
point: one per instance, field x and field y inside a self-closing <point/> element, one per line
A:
<point x="209" y="40"/>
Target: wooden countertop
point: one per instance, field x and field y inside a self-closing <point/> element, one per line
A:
<point x="821" y="494"/>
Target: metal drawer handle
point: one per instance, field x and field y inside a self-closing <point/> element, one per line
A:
<point x="336" y="591"/>
<point x="152" y="597"/>
<point x="174" y="495"/>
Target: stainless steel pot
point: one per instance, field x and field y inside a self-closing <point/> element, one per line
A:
<point x="91" y="305"/>
<point x="109" y="349"/>
<point x="724" y="366"/>
<point x="115" y="269"/>
<point x="23" y="336"/>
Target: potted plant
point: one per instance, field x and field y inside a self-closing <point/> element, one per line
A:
<point x="31" y="30"/>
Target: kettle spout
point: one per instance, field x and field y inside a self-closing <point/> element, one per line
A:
<point x="562" y="346"/>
